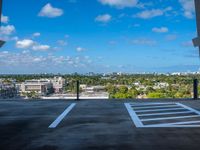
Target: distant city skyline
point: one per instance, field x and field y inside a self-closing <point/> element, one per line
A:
<point x="98" y="36"/>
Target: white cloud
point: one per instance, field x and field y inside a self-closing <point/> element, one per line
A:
<point x="147" y="14"/>
<point x="4" y="19"/>
<point x="120" y="3"/>
<point x="160" y="30"/>
<point x="144" y="41"/>
<point x="39" y="47"/>
<point x="26" y="43"/>
<point x="7" y="30"/>
<point x="37" y="34"/>
<point x="188" y="8"/>
<point x="37" y="59"/>
<point x="103" y="18"/>
<point x="27" y="62"/>
<point x="51" y="12"/>
<point x="79" y="49"/>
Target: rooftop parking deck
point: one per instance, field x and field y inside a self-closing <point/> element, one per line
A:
<point x="98" y="124"/>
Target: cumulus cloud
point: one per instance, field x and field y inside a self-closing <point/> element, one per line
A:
<point x="4" y="19"/>
<point x="120" y="3"/>
<point x="49" y="11"/>
<point x="160" y="30"/>
<point x="30" y="44"/>
<point x="144" y="41"/>
<point x="7" y="30"/>
<point x="27" y="61"/>
<point x="80" y="49"/>
<point x="37" y="34"/>
<point x="105" y="18"/>
<point x="188" y="8"/>
<point x="39" y="47"/>
<point x="26" y="43"/>
<point x="147" y="14"/>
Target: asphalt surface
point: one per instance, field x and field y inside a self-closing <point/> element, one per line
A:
<point x="91" y="124"/>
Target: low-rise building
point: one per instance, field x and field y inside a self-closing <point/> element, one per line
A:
<point x="41" y="87"/>
<point x="92" y="89"/>
<point x="161" y="85"/>
<point x="58" y="84"/>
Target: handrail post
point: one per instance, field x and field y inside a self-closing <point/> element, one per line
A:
<point x="195" y="89"/>
<point x="77" y="90"/>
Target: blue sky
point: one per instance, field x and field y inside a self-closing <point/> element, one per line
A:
<point x="100" y="36"/>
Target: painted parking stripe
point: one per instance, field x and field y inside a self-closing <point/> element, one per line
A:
<point x="149" y="104"/>
<point x="133" y="116"/>
<point x="182" y="124"/>
<point x="154" y="110"/>
<point x="189" y="108"/>
<point x="169" y="118"/>
<point x="164" y="115"/>
<point x="62" y="116"/>
<point x="151" y="107"/>
<point x="168" y="113"/>
<point x="172" y="126"/>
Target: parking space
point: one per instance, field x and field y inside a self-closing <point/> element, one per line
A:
<point x="163" y="115"/>
<point x="96" y="124"/>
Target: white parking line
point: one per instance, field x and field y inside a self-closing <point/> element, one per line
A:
<point x="169" y="118"/>
<point x="154" y="110"/>
<point x="182" y="124"/>
<point x="133" y="116"/>
<point x="168" y="113"/>
<point x="149" y="104"/>
<point x="62" y="116"/>
<point x="160" y="112"/>
<point x="164" y="106"/>
<point x="189" y="108"/>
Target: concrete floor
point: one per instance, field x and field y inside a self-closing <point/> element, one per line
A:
<point x="92" y="124"/>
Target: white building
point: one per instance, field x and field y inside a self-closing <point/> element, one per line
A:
<point x="92" y="89"/>
<point x="58" y="84"/>
<point x="42" y="87"/>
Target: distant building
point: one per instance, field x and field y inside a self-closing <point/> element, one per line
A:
<point x="92" y="89"/>
<point x="161" y="85"/>
<point x="42" y="87"/>
<point x="58" y="84"/>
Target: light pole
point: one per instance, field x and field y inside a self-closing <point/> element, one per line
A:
<point x="196" y="41"/>
<point x="1" y="3"/>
